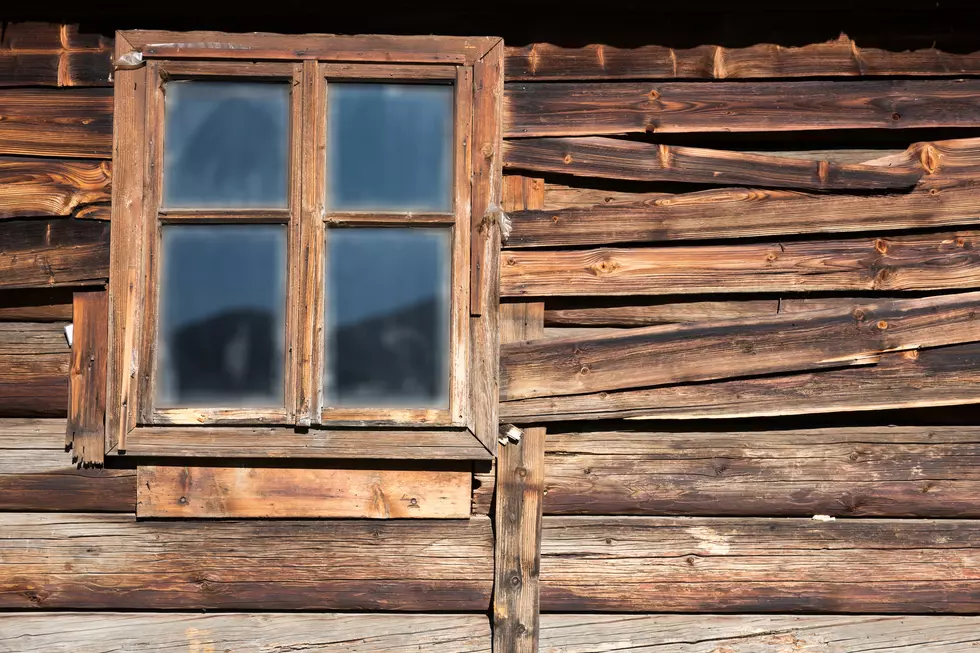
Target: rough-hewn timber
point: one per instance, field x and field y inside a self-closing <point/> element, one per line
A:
<point x="34" y="361"/>
<point x="46" y="187"/>
<point x="87" y="377"/>
<point x="56" y="122"/>
<point x="56" y="252"/>
<point x="53" y="55"/>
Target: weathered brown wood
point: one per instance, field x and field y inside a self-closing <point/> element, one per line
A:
<point x="591" y="108"/>
<point x="268" y="492"/>
<point x="672" y="354"/>
<point x="596" y="156"/>
<point x="658" y="313"/>
<point x="257" y="632"/>
<point x="56" y="252"/>
<point x="484" y="486"/>
<point x="942" y="261"/>
<point x="34" y="360"/>
<point x="47" y="187"/>
<point x="937" y="377"/>
<point x="33" y="338"/>
<point x="51" y="122"/>
<point x="36" y="305"/>
<point x="395" y="565"/>
<point x="53" y="55"/>
<point x="851" y="472"/>
<point x="36" y="474"/>
<point x="87" y="377"/>
<point x="670" y="564"/>
<point x="591" y="633"/>
<point x="838" y="58"/>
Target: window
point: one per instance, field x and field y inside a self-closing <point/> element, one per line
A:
<point x="302" y="236"/>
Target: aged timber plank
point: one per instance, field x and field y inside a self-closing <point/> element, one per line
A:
<point x="228" y="492"/>
<point x="938" y="261"/>
<point x="591" y="108"/>
<point x="36" y="305"/>
<point x="87" y="377"/>
<point x="591" y="633"/>
<point x="47" y="54"/>
<point x="36" y="474"/>
<point x="838" y="58"/>
<point x="56" y="252"/>
<point x="559" y="314"/>
<point x="672" y="354"/>
<point x="255" y="632"/>
<point x="397" y="565"/>
<point x="34" y="361"/>
<point x="56" y="122"/>
<point x="671" y="564"/>
<point x="852" y="472"/>
<point x="610" y="158"/>
<point x="50" y="187"/>
<point x="933" y="377"/>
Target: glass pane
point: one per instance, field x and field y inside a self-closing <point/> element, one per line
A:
<point x="390" y="147"/>
<point x="388" y="318"/>
<point x="226" y="145"/>
<point x="222" y="316"/>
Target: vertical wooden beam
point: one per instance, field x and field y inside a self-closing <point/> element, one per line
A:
<point x="87" y="377"/>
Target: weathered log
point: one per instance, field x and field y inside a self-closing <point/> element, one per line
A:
<point x="938" y="261"/>
<point x="53" y="55"/>
<point x="56" y="122"/>
<point x="122" y="563"/>
<point x="852" y="472"/>
<point x="36" y="474"/>
<point x="50" y="187"/>
<point x="87" y="377"/>
<point x="596" y="156"/>
<point x="34" y="360"/>
<point x="591" y="108"/>
<point x="560" y="315"/>
<point x="56" y="252"/>
<point x="36" y="305"/>
<point x="670" y="564"/>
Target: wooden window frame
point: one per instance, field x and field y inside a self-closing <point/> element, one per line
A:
<point x="145" y="60"/>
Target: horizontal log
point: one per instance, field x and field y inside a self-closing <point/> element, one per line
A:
<point x="670" y="564"/>
<point x="37" y="474"/>
<point x="56" y="252"/>
<point x="942" y="261"/>
<point x="672" y="354"/>
<point x="592" y="108"/>
<point x="228" y="492"/>
<point x="590" y="633"/>
<point x="33" y="338"/>
<point x="851" y="472"/>
<point x="122" y="563"/>
<point x="56" y="122"/>
<point x="936" y="377"/>
<point x="484" y="487"/>
<point x="34" y="385"/>
<point x="36" y="305"/>
<point x="256" y="632"/>
<point x="610" y="158"/>
<point x="45" y="54"/>
<point x="558" y="315"/>
<point x="50" y="187"/>
<point x="838" y="58"/>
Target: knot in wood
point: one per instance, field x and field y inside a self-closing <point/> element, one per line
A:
<point x="515" y="581"/>
<point x="896" y="116"/>
<point x="881" y="246"/>
<point x="521" y="472"/>
<point x="858" y="314"/>
<point x="568" y="159"/>
<point x="653" y="95"/>
<point x="882" y="325"/>
<point x="487" y="150"/>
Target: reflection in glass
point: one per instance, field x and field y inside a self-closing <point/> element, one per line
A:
<point x="387" y="318"/>
<point x="222" y="316"/>
<point x="390" y="147"/>
<point x="226" y="145"/>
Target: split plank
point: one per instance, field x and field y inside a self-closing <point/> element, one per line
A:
<point x="610" y="158"/>
<point x="56" y="122"/>
<point x="244" y="633"/>
<point x="671" y="564"/>
<point x="938" y="261"/>
<point x="36" y="305"/>
<point x="851" y="472"/>
<point x="268" y="492"/>
<point x="87" y="377"/>
<point x="398" y="565"/>
<point x="50" y="187"/>
<point x="594" y="108"/>
<point x="935" y="377"/>
<point x="37" y="474"/>
<point x="45" y="54"/>
<point x="591" y="633"/>
<point x="55" y="252"/>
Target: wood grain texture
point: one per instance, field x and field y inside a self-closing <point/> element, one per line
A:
<point x="37" y="474"/>
<point x="56" y="252"/>
<point x="270" y="492"/>
<point x="47" y="54"/>
<point x="49" y="187"/>
<point x="34" y="363"/>
<point x="56" y="122"/>
<point x="36" y="305"/>
<point x="610" y="158"/>
<point x="484" y="486"/>
<point x="558" y="315"/>
<point x="592" y="108"/>
<point x="591" y="633"/>
<point x="87" y="377"/>
<point x="671" y="564"/>
<point x="937" y="261"/>
<point x="672" y="354"/>
<point x="267" y="565"/>
<point x="848" y="472"/>
<point x="245" y="633"/>
<point x="935" y="377"/>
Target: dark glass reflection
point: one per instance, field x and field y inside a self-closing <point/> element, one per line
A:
<point x="388" y="318"/>
<point x="390" y="147"/>
<point x="222" y="316"/>
<point x="226" y="145"/>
